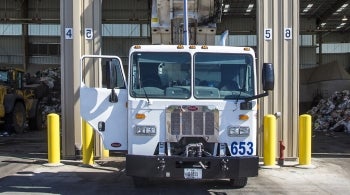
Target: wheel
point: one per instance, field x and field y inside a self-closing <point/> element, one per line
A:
<point x="238" y="182"/>
<point x="140" y="181"/>
<point x="36" y="123"/>
<point x="18" y="117"/>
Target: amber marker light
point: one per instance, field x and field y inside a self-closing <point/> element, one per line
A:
<point x="180" y="46"/>
<point x="137" y="47"/>
<point x="140" y="116"/>
<point x="204" y="47"/>
<point x="243" y="117"/>
<point x="192" y="47"/>
<point x="246" y="49"/>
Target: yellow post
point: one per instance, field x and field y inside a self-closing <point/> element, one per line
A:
<point x="88" y="143"/>
<point x="53" y="139"/>
<point x="305" y="141"/>
<point x="105" y="152"/>
<point x="270" y="141"/>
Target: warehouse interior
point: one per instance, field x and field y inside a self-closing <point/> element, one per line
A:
<point x="31" y="34"/>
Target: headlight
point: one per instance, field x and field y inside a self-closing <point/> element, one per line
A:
<point x="235" y="131"/>
<point x="145" y="130"/>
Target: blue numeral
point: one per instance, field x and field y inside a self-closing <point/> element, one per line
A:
<point x="242" y="148"/>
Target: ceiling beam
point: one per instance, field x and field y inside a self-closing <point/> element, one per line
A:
<point x="329" y="12"/>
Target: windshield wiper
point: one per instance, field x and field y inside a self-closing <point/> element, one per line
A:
<point x="140" y="83"/>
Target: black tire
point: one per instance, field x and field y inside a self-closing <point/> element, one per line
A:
<point x="36" y="123"/>
<point x="18" y="118"/>
<point x="238" y="182"/>
<point x="140" y="182"/>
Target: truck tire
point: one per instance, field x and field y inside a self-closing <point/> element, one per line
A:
<point x="36" y="123"/>
<point x="238" y="182"/>
<point x="18" y="117"/>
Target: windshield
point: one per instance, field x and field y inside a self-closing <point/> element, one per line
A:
<point x="223" y="76"/>
<point x="3" y="76"/>
<point x="161" y="75"/>
<point x="168" y="75"/>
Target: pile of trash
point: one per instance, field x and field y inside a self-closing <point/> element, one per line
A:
<point x="52" y="102"/>
<point x="333" y="113"/>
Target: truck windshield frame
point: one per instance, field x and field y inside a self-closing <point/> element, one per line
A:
<point x="168" y="75"/>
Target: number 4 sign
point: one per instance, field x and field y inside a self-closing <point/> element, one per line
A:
<point x="68" y="33"/>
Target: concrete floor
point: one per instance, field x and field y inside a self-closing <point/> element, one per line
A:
<point x="22" y="171"/>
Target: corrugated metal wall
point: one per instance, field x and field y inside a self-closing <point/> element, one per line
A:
<point x="117" y="40"/>
<point x="41" y="17"/>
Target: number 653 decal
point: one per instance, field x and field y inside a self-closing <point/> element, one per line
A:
<point x="242" y="148"/>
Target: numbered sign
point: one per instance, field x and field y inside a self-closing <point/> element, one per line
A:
<point x="68" y="33"/>
<point x="288" y="33"/>
<point x="268" y="34"/>
<point x="89" y="33"/>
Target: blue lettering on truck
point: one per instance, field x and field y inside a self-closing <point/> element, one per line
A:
<point x="242" y="148"/>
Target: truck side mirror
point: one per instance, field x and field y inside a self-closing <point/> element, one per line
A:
<point x="268" y="78"/>
<point x="111" y="74"/>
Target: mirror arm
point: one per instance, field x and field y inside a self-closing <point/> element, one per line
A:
<point x="113" y="97"/>
<point x="266" y="93"/>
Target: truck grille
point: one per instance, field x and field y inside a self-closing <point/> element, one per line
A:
<point x="192" y="121"/>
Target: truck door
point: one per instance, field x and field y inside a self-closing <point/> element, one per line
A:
<point x="102" y="107"/>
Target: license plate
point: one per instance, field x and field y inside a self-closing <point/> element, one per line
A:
<point x="193" y="173"/>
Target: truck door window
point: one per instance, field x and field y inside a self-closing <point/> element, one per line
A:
<point x="120" y="83"/>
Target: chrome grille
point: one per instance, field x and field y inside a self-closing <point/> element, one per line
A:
<point x="192" y="121"/>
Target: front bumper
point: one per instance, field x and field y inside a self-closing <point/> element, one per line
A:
<point x="173" y="166"/>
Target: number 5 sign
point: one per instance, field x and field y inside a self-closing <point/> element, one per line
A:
<point x="89" y="33"/>
<point x="268" y="34"/>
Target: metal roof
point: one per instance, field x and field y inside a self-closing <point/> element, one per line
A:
<point x="331" y="15"/>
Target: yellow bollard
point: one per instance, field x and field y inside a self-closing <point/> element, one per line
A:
<point x="270" y="141"/>
<point x="305" y="141"/>
<point x="53" y="139"/>
<point x="105" y="152"/>
<point x="88" y="143"/>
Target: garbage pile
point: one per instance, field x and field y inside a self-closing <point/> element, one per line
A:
<point x="52" y="102"/>
<point x="332" y="114"/>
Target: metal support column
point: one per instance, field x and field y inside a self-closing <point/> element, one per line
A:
<point x="70" y="55"/>
<point x="278" y="43"/>
<point x="25" y="37"/>
<point x="85" y="26"/>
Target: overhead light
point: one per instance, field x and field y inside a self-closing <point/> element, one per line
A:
<point x="342" y="7"/>
<point x="323" y="24"/>
<point x="250" y="7"/>
<point x="341" y="25"/>
<point x="344" y="18"/>
<point x="308" y="7"/>
<point x="226" y="7"/>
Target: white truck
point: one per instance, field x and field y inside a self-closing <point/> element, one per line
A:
<point x="187" y="112"/>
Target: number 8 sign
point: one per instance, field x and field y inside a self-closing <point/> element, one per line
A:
<point x="288" y="33"/>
